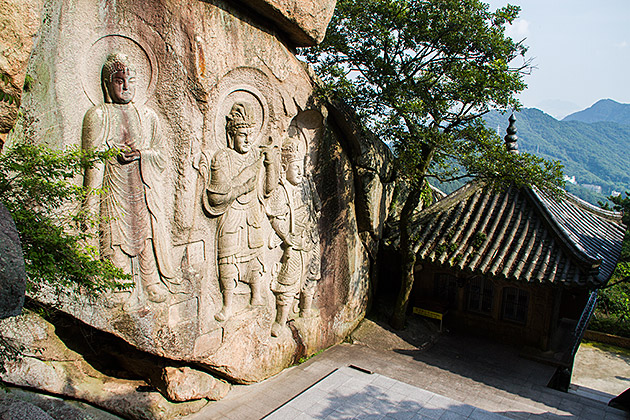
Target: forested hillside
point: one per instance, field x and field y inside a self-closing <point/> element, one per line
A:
<point x="596" y="154"/>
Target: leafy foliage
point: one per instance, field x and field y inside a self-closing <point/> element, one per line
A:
<point x="420" y="74"/>
<point x="596" y="153"/>
<point x="609" y="325"/>
<point x="613" y="306"/>
<point x="622" y="204"/>
<point x="36" y="187"/>
<point x="615" y="302"/>
<point x="5" y="97"/>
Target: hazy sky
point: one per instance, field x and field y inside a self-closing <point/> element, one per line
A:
<point x="581" y="49"/>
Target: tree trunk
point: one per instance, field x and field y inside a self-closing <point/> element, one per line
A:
<point x="407" y="245"/>
<point x="397" y="320"/>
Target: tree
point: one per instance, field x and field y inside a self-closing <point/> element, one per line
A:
<point x="622" y="204"/>
<point x="36" y="187"/>
<point x="614" y="298"/>
<point x="420" y="73"/>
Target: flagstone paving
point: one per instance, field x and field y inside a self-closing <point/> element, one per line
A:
<point x="457" y="377"/>
<point x="350" y="393"/>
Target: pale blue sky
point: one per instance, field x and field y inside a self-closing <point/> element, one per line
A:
<point x="581" y="49"/>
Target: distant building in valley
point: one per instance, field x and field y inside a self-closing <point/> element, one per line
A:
<point x="592" y="187"/>
<point x="569" y="179"/>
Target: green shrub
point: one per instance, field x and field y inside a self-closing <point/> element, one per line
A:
<point x="36" y="186"/>
<point x="610" y="325"/>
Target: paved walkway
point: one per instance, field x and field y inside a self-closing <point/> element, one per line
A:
<point x="603" y="367"/>
<point x="351" y="393"/>
<point x="454" y="378"/>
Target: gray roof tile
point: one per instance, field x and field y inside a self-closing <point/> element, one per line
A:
<point x="522" y="235"/>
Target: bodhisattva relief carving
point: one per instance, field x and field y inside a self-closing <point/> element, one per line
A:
<point x="132" y="231"/>
<point x="293" y="209"/>
<point x="241" y="176"/>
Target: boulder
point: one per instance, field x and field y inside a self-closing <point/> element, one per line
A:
<point x="176" y="383"/>
<point x="304" y="21"/>
<point x="11" y="409"/>
<point x="247" y="215"/>
<point x="186" y="384"/>
<point x="46" y="364"/>
<point x="12" y="271"/>
<point x="13" y="399"/>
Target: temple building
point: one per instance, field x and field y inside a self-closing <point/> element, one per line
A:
<point x="516" y="265"/>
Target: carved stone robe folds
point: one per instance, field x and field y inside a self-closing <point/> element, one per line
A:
<point x="239" y="234"/>
<point x="131" y="202"/>
<point x="293" y="211"/>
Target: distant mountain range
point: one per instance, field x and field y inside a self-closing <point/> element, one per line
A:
<point x="605" y="110"/>
<point x="593" y="145"/>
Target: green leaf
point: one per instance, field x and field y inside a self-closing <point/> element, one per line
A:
<point x="36" y="187"/>
<point x="419" y="74"/>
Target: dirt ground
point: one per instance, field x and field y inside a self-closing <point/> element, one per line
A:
<point x="602" y="367"/>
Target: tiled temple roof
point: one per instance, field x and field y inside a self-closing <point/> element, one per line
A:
<point x="521" y="235"/>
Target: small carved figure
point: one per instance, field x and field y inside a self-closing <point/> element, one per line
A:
<point x="240" y="177"/>
<point x="293" y="209"/>
<point x="132" y="234"/>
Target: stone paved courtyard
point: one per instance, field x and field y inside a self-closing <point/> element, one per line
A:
<point x="455" y="377"/>
<point x="602" y="367"/>
<point x="351" y="393"/>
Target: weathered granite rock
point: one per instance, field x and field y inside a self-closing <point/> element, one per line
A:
<point x="54" y="407"/>
<point x="366" y="151"/>
<point x="12" y="272"/>
<point x="204" y="127"/>
<point x="304" y="21"/>
<point x="47" y="364"/>
<point x="185" y="384"/>
<point x="177" y="383"/>
<point x="19" y="22"/>
<point x="374" y="174"/>
<point x="11" y="409"/>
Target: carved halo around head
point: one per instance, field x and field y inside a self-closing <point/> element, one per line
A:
<point x="241" y="106"/>
<point x="140" y="57"/>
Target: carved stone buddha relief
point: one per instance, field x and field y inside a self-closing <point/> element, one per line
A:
<point x="210" y="203"/>
<point x="132" y="225"/>
<point x="241" y="175"/>
<point x="293" y="209"/>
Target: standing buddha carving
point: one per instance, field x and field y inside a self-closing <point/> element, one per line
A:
<point x="132" y="231"/>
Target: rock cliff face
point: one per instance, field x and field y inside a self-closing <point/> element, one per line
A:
<point x="303" y="21"/>
<point x="246" y="211"/>
<point x="19" y="22"/>
<point x="12" y="271"/>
